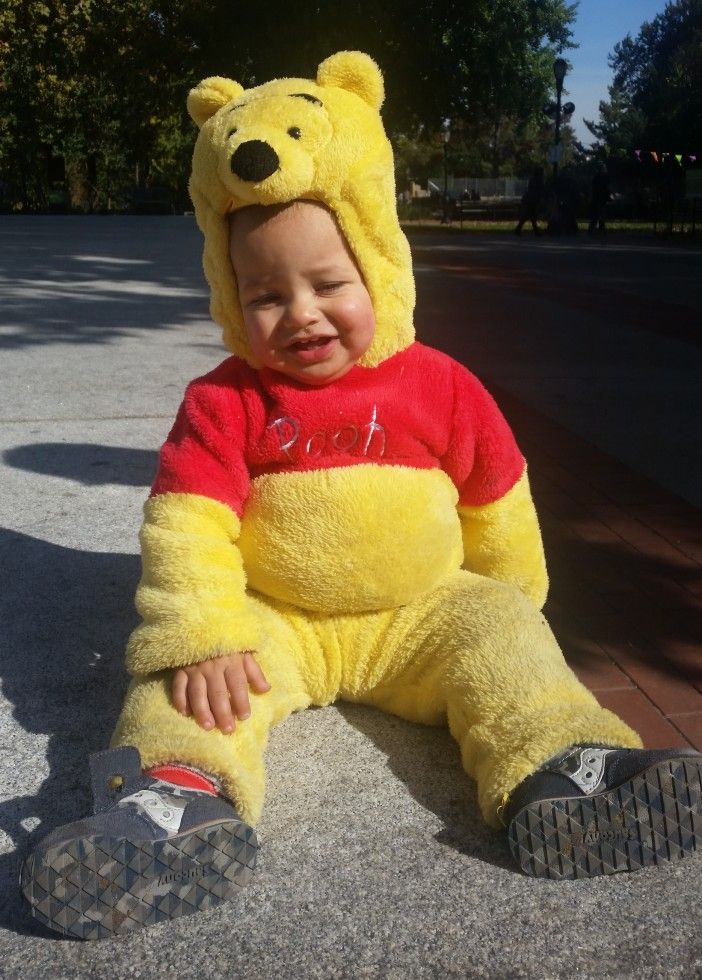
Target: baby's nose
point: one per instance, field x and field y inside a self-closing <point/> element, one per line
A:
<point x="300" y="312"/>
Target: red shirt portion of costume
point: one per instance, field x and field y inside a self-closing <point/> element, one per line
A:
<point x="419" y="408"/>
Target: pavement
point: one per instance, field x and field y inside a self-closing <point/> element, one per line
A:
<point x="375" y="862"/>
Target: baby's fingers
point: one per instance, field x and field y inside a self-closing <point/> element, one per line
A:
<point x="238" y="685"/>
<point x="179" y="692"/>
<point x="220" y="704"/>
<point x="199" y="701"/>
<point x="255" y="675"/>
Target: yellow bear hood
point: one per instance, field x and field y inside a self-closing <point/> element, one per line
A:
<point x="319" y="140"/>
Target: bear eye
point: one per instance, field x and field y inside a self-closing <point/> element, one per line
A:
<point x="231" y="132"/>
<point x="294" y="132"/>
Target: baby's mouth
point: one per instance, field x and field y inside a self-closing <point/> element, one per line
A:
<point x="311" y="343"/>
<point x="312" y="350"/>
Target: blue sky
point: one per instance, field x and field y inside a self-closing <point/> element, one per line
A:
<point x="599" y="25"/>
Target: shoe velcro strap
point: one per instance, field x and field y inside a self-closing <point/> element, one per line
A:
<point x="115" y="773"/>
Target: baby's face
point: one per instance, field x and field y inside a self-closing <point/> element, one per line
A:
<point x="306" y="309"/>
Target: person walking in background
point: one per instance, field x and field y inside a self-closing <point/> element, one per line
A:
<point x="531" y="201"/>
<point x="600" y="195"/>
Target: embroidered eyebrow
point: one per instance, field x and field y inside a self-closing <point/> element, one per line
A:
<point x="304" y="95"/>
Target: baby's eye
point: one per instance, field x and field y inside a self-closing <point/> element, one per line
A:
<point x="330" y="287"/>
<point x="265" y="299"/>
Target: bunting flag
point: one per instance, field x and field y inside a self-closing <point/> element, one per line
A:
<point x="664" y="154"/>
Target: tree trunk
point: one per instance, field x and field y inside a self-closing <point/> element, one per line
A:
<point x="496" y="148"/>
<point x="77" y="183"/>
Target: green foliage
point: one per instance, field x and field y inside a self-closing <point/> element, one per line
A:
<point x="490" y="76"/>
<point x="99" y="86"/>
<point x="655" y="100"/>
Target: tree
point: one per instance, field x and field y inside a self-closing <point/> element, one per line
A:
<point x="24" y="25"/>
<point x="655" y="100"/>
<point x="120" y="98"/>
<point x="510" y="74"/>
<point x="496" y="77"/>
<point x="101" y="84"/>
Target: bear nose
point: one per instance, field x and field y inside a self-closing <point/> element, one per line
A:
<point x="254" y="160"/>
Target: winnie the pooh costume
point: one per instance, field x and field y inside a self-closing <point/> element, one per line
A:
<point x="373" y="539"/>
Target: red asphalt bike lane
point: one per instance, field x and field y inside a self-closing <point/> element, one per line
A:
<point x="669" y="319"/>
<point x="624" y="554"/>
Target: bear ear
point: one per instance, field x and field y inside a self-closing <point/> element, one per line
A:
<point x="209" y="96"/>
<point x="356" y="72"/>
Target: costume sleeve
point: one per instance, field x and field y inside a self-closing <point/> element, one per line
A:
<point x="501" y="535"/>
<point x="192" y="596"/>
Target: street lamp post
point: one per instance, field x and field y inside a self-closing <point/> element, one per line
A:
<point x="560" y="67"/>
<point x="558" y="112"/>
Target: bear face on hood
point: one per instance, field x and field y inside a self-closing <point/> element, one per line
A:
<point x="319" y="140"/>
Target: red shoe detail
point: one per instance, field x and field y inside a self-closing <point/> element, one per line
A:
<point x="183" y="776"/>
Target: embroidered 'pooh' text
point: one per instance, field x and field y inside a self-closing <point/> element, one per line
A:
<point x="366" y="440"/>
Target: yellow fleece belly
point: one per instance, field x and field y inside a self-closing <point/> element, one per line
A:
<point x="351" y="540"/>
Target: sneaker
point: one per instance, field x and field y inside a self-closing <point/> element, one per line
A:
<point x="152" y="851"/>
<point x="594" y="811"/>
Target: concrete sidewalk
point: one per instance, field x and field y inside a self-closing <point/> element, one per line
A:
<point x="375" y="862"/>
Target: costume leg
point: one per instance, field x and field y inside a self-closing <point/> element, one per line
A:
<point x="294" y="662"/>
<point x="479" y="654"/>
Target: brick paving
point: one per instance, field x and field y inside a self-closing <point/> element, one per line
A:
<point x="625" y="560"/>
<point x="624" y="554"/>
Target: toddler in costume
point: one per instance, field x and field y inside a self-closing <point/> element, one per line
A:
<point x="339" y="512"/>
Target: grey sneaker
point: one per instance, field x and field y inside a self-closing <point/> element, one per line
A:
<point x="594" y="810"/>
<point x="151" y="851"/>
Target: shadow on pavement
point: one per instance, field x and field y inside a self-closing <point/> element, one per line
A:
<point x="88" y="463"/>
<point x="124" y="274"/>
<point x="426" y="760"/>
<point x="67" y="615"/>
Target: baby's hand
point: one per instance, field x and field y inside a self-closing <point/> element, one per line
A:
<point x="215" y="691"/>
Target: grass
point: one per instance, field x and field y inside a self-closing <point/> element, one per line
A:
<point x="614" y="226"/>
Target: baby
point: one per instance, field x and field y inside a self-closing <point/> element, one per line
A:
<point x="339" y="512"/>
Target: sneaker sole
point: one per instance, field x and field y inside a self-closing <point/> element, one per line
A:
<point x="651" y="819"/>
<point x="100" y="886"/>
